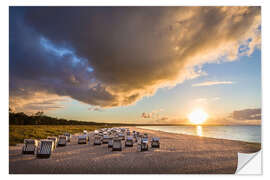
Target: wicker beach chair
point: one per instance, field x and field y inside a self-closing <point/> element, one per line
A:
<point x="29" y="146"/>
<point x="155" y="143"/>
<point x="54" y="139"/>
<point x="121" y="136"/>
<point x="82" y="139"/>
<point x="110" y="142"/>
<point x="45" y="148"/>
<point x="105" y="139"/>
<point x="143" y="144"/>
<point x="68" y="136"/>
<point x="129" y="141"/>
<point x="62" y="140"/>
<point x="117" y="144"/>
<point x="97" y="140"/>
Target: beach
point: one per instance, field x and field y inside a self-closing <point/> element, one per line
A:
<point x="178" y="154"/>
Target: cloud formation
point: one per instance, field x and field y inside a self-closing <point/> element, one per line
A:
<point x="153" y="114"/>
<point x="95" y="109"/>
<point x="113" y="56"/>
<point x="247" y="114"/>
<point x="212" y="83"/>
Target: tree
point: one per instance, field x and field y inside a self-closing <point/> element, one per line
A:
<point x="39" y="113"/>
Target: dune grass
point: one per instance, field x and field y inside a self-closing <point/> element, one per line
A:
<point x="17" y="133"/>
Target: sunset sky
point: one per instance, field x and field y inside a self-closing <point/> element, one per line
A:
<point x="136" y="64"/>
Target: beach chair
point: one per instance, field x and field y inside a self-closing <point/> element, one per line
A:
<point x="29" y="146"/>
<point x="110" y="142"/>
<point x="55" y="141"/>
<point x="117" y="144"/>
<point x="82" y="139"/>
<point x="68" y="136"/>
<point x="97" y="140"/>
<point x="128" y="133"/>
<point x="105" y="139"/>
<point x="62" y="140"/>
<point x="45" y="148"/>
<point x="155" y="142"/>
<point x="143" y="145"/>
<point x="121" y="136"/>
<point x="129" y="141"/>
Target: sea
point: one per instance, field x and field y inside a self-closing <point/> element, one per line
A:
<point x="241" y="133"/>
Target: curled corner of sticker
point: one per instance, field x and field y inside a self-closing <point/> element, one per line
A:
<point x="249" y="163"/>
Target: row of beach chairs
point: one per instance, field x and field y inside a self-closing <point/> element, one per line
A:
<point x="111" y="136"/>
<point x="44" y="147"/>
<point x="114" y="137"/>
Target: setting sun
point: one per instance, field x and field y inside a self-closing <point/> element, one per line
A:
<point x="197" y="116"/>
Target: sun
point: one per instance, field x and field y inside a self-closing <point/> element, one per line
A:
<point x="198" y="116"/>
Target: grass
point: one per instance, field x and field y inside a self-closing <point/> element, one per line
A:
<point x="17" y="133"/>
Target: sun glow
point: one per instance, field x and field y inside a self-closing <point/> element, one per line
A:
<point x="197" y="116"/>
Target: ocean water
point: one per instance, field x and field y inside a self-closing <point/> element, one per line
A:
<point x="242" y="133"/>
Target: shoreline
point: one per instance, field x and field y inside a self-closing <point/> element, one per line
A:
<point x="257" y="143"/>
<point x="178" y="154"/>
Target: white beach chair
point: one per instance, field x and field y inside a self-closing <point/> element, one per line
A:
<point x="121" y="136"/>
<point x="68" y="136"/>
<point x="62" y="140"/>
<point x="82" y="139"/>
<point x="128" y="133"/>
<point x="117" y="144"/>
<point x="97" y="140"/>
<point x="110" y="142"/>
<point x="105" y="139"/>
<point x="54" y="139"/>
<point x="45" y="148"/>
<point x="143" y="145"/>
<point x="129" y="141"/>
<point x="155" y="142"/>
<point x="29" y="146"/>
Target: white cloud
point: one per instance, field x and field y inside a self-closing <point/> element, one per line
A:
<point x="212" y="83"/>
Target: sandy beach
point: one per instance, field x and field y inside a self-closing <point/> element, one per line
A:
<point x="178" y="154"/>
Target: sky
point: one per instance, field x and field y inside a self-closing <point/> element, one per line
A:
<point x="136" y="64"/>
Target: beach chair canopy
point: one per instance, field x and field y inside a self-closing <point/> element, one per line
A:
<point x="82" y="137"/>
<point x="67" y="134"/>
<point x="144" y="140"/>
<point x="129" y="138"/>
<point x="155" y="139"/>
<point x="30" y="141"/>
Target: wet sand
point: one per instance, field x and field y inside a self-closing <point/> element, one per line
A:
<point x="178" y="154"/>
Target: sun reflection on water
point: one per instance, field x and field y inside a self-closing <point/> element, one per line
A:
<point x="199" y="131"/>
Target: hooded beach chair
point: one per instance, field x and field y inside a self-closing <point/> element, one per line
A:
<point x="105" y="139"/>
<point x="45" y="148"/>
<point x="68" y="136"/>
<point x="54" y="139"/>
<point x="129" y="141"/>
<point x="117" y="144"/>
<point x="62" y="140"/>
<point x="82" y="139"/>
<point x="155" y="142"/>
<point x="143" y="144"/>
<point x="29" y="146"/>
<point x="121" y="136"/>
<point x="97" y="140"/>
<point x="110" y="142"/>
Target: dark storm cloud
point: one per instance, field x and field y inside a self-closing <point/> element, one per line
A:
<point x="247" y="114"/>
<point x="113" y="56"/>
